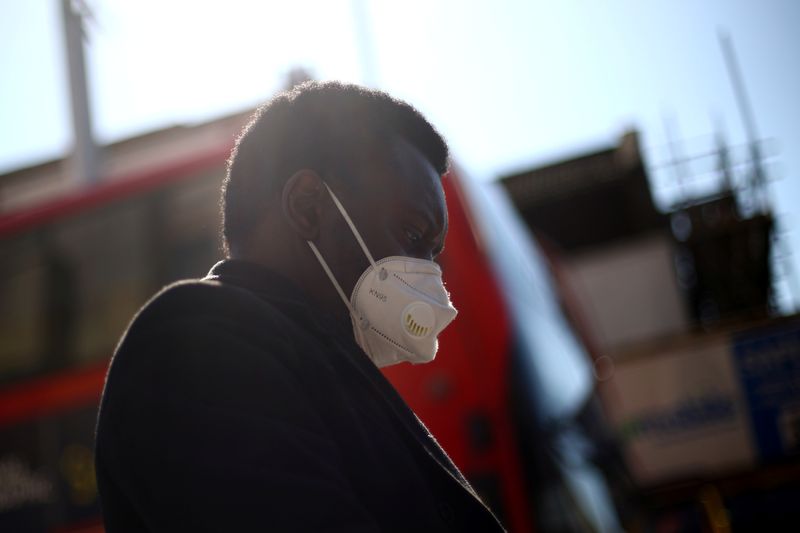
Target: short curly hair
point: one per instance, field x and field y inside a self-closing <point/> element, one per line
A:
<point x="329" y="127"/>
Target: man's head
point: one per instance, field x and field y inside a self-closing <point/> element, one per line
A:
<point x="379" y="155"/>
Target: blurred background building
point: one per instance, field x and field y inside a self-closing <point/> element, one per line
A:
<point x="655" y="305"/>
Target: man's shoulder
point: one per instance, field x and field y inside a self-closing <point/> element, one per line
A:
<point x="200" y="302"/>
<point x="199" y="296"/>
<point x="202" y="328"/>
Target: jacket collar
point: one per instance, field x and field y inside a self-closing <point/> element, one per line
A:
<point x="277" y="289"/>
<point x="256" y="278"/>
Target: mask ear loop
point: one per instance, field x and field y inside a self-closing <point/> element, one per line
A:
<point x="327" y="270"/>
<point x="362" y="321"/>
<point x="352" y="226"/>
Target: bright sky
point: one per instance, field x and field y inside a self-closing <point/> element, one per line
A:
<point x="510" y="83"/>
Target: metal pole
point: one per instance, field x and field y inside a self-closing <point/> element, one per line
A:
<point x="723" y="156"/>
<point x="84" y="159"/>
<point x="364" y="43"/>
<point x="758" y="181"/>
<point x="678" y="161"/>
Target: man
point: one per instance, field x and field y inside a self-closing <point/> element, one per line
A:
<point x="251" y="400"/>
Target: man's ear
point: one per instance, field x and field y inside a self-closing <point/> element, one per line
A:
<point x="301" y="203"/>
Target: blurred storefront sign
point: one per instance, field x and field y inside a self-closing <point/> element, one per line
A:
<point x="697" y="409"/>
<point x="681" y="414"/>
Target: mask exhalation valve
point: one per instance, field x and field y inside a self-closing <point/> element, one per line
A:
<point x="419" y="320"/>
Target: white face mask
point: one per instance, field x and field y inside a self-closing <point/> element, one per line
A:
<point x="398" y="307"/>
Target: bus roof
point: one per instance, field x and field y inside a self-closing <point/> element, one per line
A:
<point x="40" y="194"/>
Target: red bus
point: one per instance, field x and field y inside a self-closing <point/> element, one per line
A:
<point x="510" y="395"/>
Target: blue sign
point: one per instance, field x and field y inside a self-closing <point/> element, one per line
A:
<point x="768" y="361"/>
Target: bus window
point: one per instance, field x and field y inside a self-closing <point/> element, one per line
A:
<point x="23" y="281"/>
<point x="105" y="259"/>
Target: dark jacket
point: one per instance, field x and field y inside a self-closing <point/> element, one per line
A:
<point x="232" y="404"/>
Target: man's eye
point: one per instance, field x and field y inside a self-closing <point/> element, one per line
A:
<point x="413" y="235"/>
